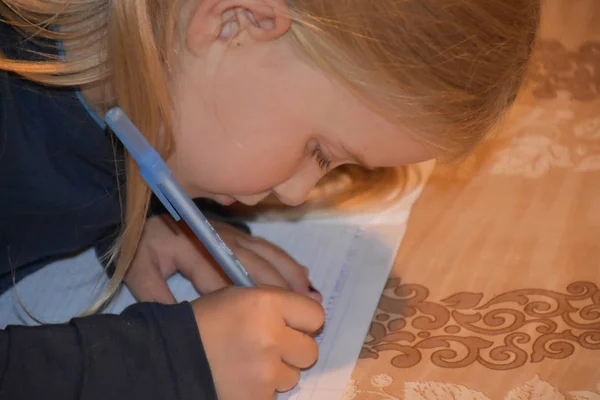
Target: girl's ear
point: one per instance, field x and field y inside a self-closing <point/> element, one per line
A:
<point x="243" y="20"/>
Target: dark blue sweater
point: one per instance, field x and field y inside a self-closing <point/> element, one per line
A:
<point x="58" y="196"/>
<point x="57" y="173"/>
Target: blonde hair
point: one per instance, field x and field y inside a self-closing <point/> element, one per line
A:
<point x="445" y="70"/>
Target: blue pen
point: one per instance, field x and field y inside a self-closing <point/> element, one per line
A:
<point x="158" y="176"/>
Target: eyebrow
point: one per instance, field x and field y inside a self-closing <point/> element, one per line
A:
<point x="358" y="159"/>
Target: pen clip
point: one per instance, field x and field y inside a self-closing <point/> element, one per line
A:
<point x="157" y="189"/>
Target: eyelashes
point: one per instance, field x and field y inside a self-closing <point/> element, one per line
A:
<point x="322" y="160"/>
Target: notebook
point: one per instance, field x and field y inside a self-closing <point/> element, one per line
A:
<point x="349" y="258"/>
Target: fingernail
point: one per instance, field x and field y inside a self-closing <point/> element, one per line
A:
<point x="314" y="294"/>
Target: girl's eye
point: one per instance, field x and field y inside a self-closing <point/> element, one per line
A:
<point x="322" y="160"/>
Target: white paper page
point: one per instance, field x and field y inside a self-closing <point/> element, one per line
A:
<point x="351" y="294"/>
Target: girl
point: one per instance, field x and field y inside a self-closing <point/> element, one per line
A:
<point x="244" y="98"/>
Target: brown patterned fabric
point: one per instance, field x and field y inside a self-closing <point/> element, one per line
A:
<point x="509" y="330"/>
<point x="495" y="293"/>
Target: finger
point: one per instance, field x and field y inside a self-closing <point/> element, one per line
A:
<point x="263" y="272"/>
<point x="295" y="275"/>
<point x="199" y="267"/>
<point x="288" y="378"/>
<point x="301" y="313"/>
<point x="147" y="284"/>
<point x="299" y="350"/>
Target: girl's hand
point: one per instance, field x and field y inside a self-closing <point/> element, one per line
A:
<point x="167" y="247"/>
<point x="257" y="339"/>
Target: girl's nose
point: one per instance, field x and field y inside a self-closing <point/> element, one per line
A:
<point x="295" y="190"/>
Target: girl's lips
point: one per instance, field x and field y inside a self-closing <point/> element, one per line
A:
<point x="226" y="200"/>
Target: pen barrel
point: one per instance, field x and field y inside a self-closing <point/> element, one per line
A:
<point x="202" y="228"/>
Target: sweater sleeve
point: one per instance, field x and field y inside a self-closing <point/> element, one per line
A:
<point x="150" y="351"/>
